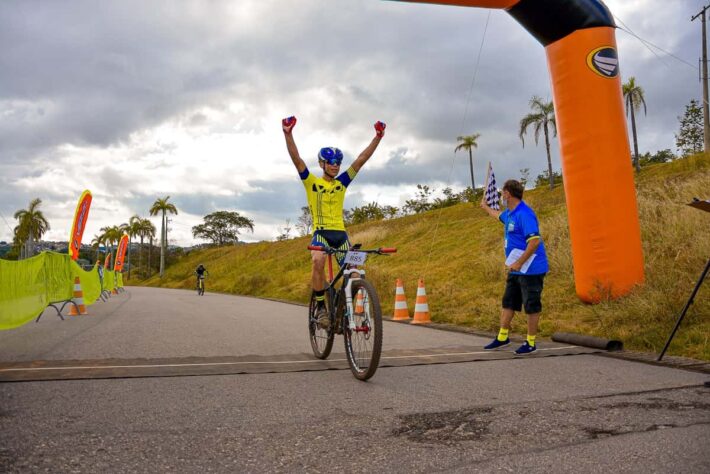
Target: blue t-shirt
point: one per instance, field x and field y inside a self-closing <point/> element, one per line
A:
<point x="521" y="226"/>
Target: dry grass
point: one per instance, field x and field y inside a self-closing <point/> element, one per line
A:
<point x="458" y="252"/>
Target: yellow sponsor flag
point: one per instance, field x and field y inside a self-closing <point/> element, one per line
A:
<point x="77" y="229"/>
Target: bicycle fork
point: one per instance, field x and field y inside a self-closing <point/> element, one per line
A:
<point x="349" y="308"/>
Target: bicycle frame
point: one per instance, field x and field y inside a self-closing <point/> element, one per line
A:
<point x="345" y="271"/>
<point x="201" y="282"/>
<point x="358" y="319"/>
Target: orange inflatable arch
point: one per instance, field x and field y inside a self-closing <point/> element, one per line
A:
<point x="579" y="39"/>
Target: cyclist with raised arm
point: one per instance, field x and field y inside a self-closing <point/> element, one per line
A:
<point x="326" y="195"/>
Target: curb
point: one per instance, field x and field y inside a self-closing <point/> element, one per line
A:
<point x="674" y="362"/>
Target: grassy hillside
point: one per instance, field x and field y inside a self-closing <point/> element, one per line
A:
<point x="458" y="252"/>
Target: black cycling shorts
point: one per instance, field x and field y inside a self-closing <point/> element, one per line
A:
<point x="523" y="291"/>
<point x="335" y="239"/>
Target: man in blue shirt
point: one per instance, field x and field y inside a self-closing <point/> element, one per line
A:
<point x="527" y="261"/>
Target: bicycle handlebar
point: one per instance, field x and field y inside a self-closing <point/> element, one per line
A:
<point x="330" y="250"/>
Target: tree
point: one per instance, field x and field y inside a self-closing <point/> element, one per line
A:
<point x="145" y="229"/>
<point x="544" y="178"/>
<point x="133" y="229"/>
<point x="19" y="240"/>
<point x="32" y="225"/>
<point x="368" y="212"/>
<point x="689" y="139"/>
<point x="222" y="227"/>
<point x="390" y="211"/>
<point x="285" y="231"/>
<point x="162" y="207"/>
<point x="467" y="143"/>
<point x="96" y="242"/>
<point x="542" y="118"/>
<point x="524" y="176"/>
<point x="111" y="236"/>
<point x="633" y="96"/>
<point x="421" y="202"/>
<point x="450" y="199"/>
<point x="149" y="231"/>
<point x="305" y="221"/>
<point x="661" y="156"/>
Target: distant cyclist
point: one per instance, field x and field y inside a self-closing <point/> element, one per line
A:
<point x="201" y="271"/>
<point x="326" y="196"/>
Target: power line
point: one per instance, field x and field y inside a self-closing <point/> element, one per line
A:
<point x="648" y="45"/>
<point x="475" y="73"/>
<point x="8" y="225"/>
<point x="453" y="159"/>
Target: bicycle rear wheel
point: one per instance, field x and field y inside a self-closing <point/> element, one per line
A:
<point x="363" y="331"/>
<point x="321" y="339"/>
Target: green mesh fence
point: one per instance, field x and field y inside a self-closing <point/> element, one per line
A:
<point x="28" y="286"/>
<point x="90" y="282"/>
<point x="109" y="280"/>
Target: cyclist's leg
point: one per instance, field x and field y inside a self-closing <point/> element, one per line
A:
<point x="318" y="269"/>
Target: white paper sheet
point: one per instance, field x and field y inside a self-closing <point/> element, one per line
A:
<point x="513" y="257"/>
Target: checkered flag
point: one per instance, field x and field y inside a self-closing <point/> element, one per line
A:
<point x="490" y="190"/>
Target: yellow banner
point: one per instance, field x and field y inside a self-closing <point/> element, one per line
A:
<point x="77" y="230"/>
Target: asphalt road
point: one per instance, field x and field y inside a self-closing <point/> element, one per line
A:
<point x="571" y="413"/>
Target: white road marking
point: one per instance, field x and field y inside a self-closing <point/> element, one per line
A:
<point x="207" y="364"/>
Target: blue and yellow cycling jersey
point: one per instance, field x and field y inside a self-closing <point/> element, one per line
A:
<point x="326" y="198"/>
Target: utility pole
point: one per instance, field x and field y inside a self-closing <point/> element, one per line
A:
<point x="706" y="112"/>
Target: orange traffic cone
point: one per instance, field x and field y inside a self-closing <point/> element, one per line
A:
<point x="421" y="307"/>
<point x="401" y="312"/>
<point x="360" y="302"/>
<point x="78" y="300"/>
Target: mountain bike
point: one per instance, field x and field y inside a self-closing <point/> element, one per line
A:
<point x="201" y="284"/>
<point x="353" y="310"/>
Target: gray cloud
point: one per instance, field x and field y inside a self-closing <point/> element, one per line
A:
<point x="96" y="75"/>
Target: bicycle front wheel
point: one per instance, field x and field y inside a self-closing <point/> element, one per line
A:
<point x="321" y="338"/>
<point x="363" y="331"/>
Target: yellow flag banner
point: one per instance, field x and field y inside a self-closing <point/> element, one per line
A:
<point x="77" y="230"/>
<point x="121" y="253"/>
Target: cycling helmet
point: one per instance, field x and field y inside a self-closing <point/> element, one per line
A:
<point x="331" y="155"/>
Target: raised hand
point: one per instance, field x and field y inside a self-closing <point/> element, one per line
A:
<point x="380" y="129"/>
<point x="288" y="123"/>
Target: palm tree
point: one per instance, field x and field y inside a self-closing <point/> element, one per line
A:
<point x="633" y="96"/>
<point x="162" y="206"/>
<point x="150" y="233"/>
<point x="96" y="242"/>
<point x="32" y="225"/>
<point x="133" y="229"/>
<point x="19" y="240"/>
<point x="146" y="229"/>
<point x="542" y="118"/>
<point x="468" y="142"/>
<point x="111" y="235"/>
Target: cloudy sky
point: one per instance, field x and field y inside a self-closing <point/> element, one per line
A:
<point x="137" y="100"/>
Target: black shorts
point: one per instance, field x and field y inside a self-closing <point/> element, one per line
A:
<point x="523" y="290"/>
<point x="336" y="239"/>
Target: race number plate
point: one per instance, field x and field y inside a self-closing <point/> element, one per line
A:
<point x="355" y="258"/>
